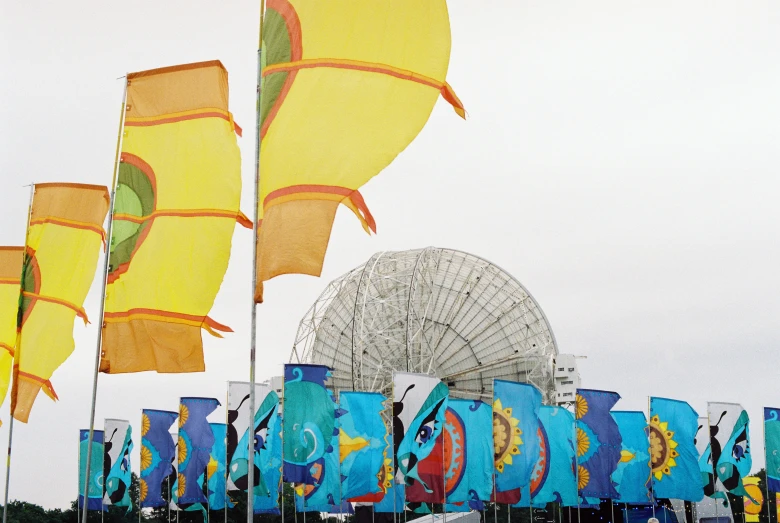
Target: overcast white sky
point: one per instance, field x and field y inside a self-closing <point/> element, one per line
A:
<point x="620" y="159"/>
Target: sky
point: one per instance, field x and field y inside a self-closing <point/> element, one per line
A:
<point x="620" y="159"/>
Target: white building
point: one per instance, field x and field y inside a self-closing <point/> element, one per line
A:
<point x="567" y="378"/>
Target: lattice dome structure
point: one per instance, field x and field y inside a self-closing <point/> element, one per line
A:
<point x="435" y="311"/>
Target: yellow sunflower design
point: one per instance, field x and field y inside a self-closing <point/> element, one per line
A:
<point x="146" y="457"/>
<point x="506" y="436"/>
<point x="583" y="442"/>
<point x="182" y="485"/>
<point x="184" y="414"/>
<point x="182" y="450"/>
<point x="580" y="407"/>
<point x="662" y="448"/>
<point x="583" y="477"/>
<point x="143" y="488"/>
<point x="145" y="424"/>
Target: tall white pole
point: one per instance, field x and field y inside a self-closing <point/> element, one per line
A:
<point x="11" y="423"/>
<point x="99" y="344"/>
<point x="253" y="329"/>
<point x="766" y="467"/>
<point x="650" y="459"/>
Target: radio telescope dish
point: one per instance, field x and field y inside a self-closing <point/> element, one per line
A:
<point x="434" y="311"/>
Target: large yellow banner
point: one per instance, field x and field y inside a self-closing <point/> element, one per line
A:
<point x="177" y="203"/>
<point x="10" y="278"/>
<point x="64" y="239"/>
<point x="346" y="87"/>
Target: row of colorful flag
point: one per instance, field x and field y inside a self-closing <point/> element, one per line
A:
<point x="430" y="448"/>
<point x="176" y="191"/>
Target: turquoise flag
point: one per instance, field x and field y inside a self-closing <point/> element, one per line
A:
<point x="311" y="436"/>
<point x="554" y="479"/>
<point x="515" y="427"/>
<point x="630" y="477"/>
<point x="95" y="487"/>
<point x="730" y="446"/>
<point x="117" y="446"/>
<point x="216" y="470"/>
<point x="468" y="427"/>
<point x="772" y="437"/>
<point x="363" y="443"/>
<point x="673" y="455"/>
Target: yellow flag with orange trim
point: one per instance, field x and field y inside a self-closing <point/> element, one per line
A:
<point x="177" y="204"/>
<point x="10" y="278"/>
<point x="346" y="86"/>
<point x="64" y="238"/>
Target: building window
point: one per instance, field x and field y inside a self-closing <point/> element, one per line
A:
<point x="567" y="383"/>
<point x="567" y="394"/>
<point x="571" y="369"/>
<point x="560" y="369"/>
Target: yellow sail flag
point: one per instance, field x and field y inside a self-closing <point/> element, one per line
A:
<point x="177" y="204"/>
<point x="10" y="279"/>
<point x="346" y="87"/>
<point x="64" y="239"/>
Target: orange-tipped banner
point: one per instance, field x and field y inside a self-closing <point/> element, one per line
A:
<point x="63" y="244"/>
<point x="10" y="277"/>
<point x="345" y="89"/>
<point x="176" y="208"/>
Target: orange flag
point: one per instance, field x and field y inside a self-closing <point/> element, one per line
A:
<point x="10" y="278"/>
<point x="177" y="204"/>
<point x="346" y="87"/>
<point x="64" y="238"/>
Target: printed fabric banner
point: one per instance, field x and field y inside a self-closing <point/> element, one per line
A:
<point x="95" y="487"/>
<point x="363" y="445"/>
<point x="216" y="470"/>
<point x="706" y="470"/>
<point x="63" y="244"/>
<point x="515" y="434"/>
<point x="672" y="433"/>
<point x="117" y="446"/>
<point x="419" y="407"/>
<point x="157" y="455"/>
<point x="730" y="445"/>
<point x="311" y="435"/>
<point x="772" y="438"/>
<point x="11" y="261"/>
<point x="394" y="500"/>
<point x="345" y="90"/>
<point x="267" y="445"/>
<point x="176" y="206"/>
<point x="194" y="448"/>
<point x="554" y="479"/>
<point x="468" y="452"/>
<point x="754" y="501"/>
<point x="598" y="443"/>
<point x="630" y="477"/>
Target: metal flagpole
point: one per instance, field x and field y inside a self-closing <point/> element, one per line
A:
<point x="576" y="465"/>
<point x="78" y="512"/>
<point x="766" y="469"/>
<point x="99" y="343"/>
<point x="227" y="421"/>
<point x="169" y="497"/>
<point x="650" y="459"/>
<point x="253" y="330"/>
<point x="11" y="423"/>
<point x="612" y="510"/>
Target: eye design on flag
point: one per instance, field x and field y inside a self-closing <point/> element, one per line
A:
<point x="420" y="438"/>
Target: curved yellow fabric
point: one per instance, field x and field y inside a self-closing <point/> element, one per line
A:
<point x="346" y="87"/>
<point x="63" y="244"/>
<point x="176" y="209"/>
<point x="10" y="274"/>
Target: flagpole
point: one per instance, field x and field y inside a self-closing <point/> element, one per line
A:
<point x="11" y="423"/>
<point x="576" y="462"/>
<point x="253" y="330"/>
<point x="650" y="459"/>
<point x="766" y="467"/>
<point x="78" y="493"/>
<point x="495" y="491"/>
<point x="227" y="422"/>
<point x="104" y="282"/>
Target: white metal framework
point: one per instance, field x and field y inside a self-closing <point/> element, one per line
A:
<point x="434" y="311"/>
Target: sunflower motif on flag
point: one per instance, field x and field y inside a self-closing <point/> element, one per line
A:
<point x="182" y="450"/>
<point x="583" y="442"/>
<point x="146" y="457"/>
<point x="143" y="488"/>
<point x="184" y="414"/>
<point x="580" y="407"/>
<point x="662" y="448"/>
<point x="583" y="477"/>
<point x="506" y="435"/>
<point x="145" y="424"/>
<point x="182" y="485"/>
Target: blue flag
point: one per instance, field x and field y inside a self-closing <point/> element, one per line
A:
<point x="515" y="427"/>
<point x="311" y="436"/>
<point x="394" y="500"/>
<point x="363" y="443"/>
<point x="157" y="455"/>
<point x="95" y="496"/>
<point x="598" y="443"/>
<point x="673" y="455"/>
<point x="216" y="470"/>
<point x="554" y="479"/>
<point x="468" y="427"/>
<point x="630" y="478"/>
<point x="195" y="442"/>
<point x="117" y="446"/>
<point x="772" y="438"/>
